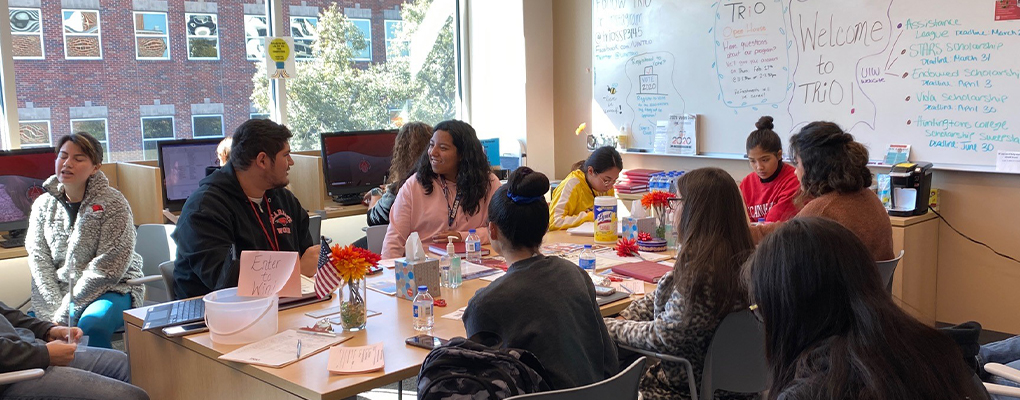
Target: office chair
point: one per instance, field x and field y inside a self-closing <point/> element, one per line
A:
<point x="8" y="378"/>
<point x="154" y="244"/>
<point x="623" y="386"/>
<point x="1005" y="372"/>
<point x="887" y="269"/>
<point x="375" y="235"/>
<point x="735" y="361"/>
<point x="166" y="271"/>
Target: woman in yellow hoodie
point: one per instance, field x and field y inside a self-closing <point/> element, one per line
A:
<point x="574" y="198"/>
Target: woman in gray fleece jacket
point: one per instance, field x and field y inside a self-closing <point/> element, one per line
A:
<point x="81" y="233"/>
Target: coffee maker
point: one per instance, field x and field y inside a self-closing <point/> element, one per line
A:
<point x="911" y="185"/>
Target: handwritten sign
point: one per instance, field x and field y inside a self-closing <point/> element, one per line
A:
<point x="264" y="273"/>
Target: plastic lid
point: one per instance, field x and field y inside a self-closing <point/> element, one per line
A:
<point x="587" y="246"/>
<point x="471" y="231"/>
<point x="423" y="288"/>
<point x="761" y="219"/>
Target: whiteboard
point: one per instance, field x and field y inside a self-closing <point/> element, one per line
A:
<point x="942" y="76"/>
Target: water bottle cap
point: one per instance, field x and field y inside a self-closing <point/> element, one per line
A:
<point x="471" y="231"/>
<point x="423" y="288"/>
<point x="587" y="246"/>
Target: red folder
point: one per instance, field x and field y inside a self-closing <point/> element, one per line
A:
<point x="643" y="270"/>
<point x="459" y="247"/>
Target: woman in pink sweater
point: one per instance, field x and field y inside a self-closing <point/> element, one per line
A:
<point x="449" y="193"/>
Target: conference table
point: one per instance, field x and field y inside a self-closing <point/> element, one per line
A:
<point x="188" y="368"/>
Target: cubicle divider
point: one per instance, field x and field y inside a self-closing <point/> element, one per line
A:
<point x="307" y="183"/>
<point x="142" y="186"/>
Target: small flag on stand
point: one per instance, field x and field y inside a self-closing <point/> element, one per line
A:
<point x="326" y="279"/>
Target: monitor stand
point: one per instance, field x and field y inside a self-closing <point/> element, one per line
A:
<point x="14" y="238"/>
<point x="349" y="199"/>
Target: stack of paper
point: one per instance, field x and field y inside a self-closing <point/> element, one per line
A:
<point x="355" y="360"/>
<point x="282" y="349"/>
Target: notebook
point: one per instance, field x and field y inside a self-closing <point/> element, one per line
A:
<point x="459" y="247"/>
<point x="643" y="270"/>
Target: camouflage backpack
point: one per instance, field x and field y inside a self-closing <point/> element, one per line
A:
<point x="479" y="368"/>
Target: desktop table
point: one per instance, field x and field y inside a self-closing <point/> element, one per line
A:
<point x="187" y="367"/>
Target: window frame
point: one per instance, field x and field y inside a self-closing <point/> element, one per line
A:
<point x="215" y="37"/>
<point x="195" y="135"/>
<point x="173" y="131"/>
<point x="166" y="35"/>
<point x="244" y="20"/>
<point x="98" y="34"/>
<point x="260" y="116"/>
<point x="106" y="130"/>
<point x="387" y="40"/>
<point x="49" y="133"/>
<point x="311" y="42"/>
<point x="368" y="39"/>
<point x="40" y="34"/>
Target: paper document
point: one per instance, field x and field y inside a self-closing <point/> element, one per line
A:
<point x="610" y="255"/>
<point x="630" y="286"/>
<point x="470" y="270"/>
<point x="588" y="229"/>
<point x="493" y="277"/>
<point x="355" y="360"/>
<point x="1007" y="161"/>
<point x="457" y="315"/>
<point x="280" y="349"/>
<point x="265" y="273"/>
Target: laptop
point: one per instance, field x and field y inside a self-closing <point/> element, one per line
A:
<point x="193" y="310"/>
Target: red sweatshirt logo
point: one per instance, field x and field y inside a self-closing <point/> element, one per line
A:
<point x="282" y="221"/>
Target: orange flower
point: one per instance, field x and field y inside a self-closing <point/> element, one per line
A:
<point x="352" y="263"/>
<point x="655" y="198"/>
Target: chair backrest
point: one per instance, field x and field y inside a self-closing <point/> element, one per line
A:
<point x="375" y="236"/>
<point x="623" y="386"/>
<point x="315" y="227"/>
<point x="166" y="269"/>
<point x="154" y="244"/>
<point x="887" y="269"/>
<point x="736" y="358"/>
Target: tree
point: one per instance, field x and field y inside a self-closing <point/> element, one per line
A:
<point x="331" y="94"/>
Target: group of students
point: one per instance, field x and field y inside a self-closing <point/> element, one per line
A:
<point x="831" y="329"/>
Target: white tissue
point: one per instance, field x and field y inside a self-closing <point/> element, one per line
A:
<point x="413" y="250"/>
<point x="637" y="210"/>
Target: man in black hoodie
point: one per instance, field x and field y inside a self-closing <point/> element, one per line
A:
<point x="242" y="206"/>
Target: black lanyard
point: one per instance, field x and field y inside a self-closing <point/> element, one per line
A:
<point x="451" y="211"/>
<point x="274" y="242"/>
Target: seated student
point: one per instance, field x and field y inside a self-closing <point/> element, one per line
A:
<point x="574" y="198"/>
<point x="681" y="316"/>
<point x="222" y="155"/>
<point x="833" y="332"/>
<point x="242" y="206"/>
<point x="449" y="194"/>
<point x="81" y="232"/>
<point x="833" y="172"/>
<point x="568" y="335"/>
<point x="412" y="140"/>
<point x="769" y="190"/>
<point x="27" y="343"/>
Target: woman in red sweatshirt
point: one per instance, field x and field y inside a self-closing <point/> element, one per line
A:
<point x="769" y="190"/>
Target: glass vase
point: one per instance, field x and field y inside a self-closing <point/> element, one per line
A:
<point x="353" y="309"/>
<point x="660" y="214"/>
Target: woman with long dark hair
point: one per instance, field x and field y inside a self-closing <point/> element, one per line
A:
<point x="834" y="182"/>
<point x="681" y="316"/>
<point x="449" y="194"/>
<point x="567" y="335"/>
<point x="833" y="332"/>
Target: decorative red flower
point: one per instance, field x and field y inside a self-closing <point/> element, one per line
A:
<point x="644" y="236"/>
<point x="626" y="248"/>
<point x="655" y="198"/>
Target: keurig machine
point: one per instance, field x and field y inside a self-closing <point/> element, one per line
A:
<point x="911" y="185"/>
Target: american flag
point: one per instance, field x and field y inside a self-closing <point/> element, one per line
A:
<point x="326" y="280"/>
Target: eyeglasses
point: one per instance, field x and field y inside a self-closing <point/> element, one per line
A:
<point x="673" y="203"/>
<point x="607" y="180"/>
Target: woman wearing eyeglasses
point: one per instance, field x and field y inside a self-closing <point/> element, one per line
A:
<point x="574" y="198"/>
<point x="833" y="332"/>
<point x="681" y="316"/>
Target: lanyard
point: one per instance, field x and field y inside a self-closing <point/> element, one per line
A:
<point x="451" y="211"/>
<point x="274" y="243"/>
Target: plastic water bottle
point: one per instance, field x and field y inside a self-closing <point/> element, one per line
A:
<point x="653" y="182"/>
<point x="455" y="273"/>
<point x="473" y="246"/>
<point x="587" y="259"/>
<point x="422" y="309"/>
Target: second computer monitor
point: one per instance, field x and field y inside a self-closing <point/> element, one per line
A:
<point x="182" y="164"/>
<point x="354" y="162"/>
<point x="22" y="173"/>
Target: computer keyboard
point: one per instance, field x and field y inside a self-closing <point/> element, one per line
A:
<point x="188" y="310"/>
<point x="349" y="199"/>
<point x="11" y="243"/>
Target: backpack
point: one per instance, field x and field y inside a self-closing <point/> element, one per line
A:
<point x="479" y="368"/>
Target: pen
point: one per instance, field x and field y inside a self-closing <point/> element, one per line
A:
<point x="298" y="349"/>
<point x="624" y="287"/>
<point x="327" y="334"/>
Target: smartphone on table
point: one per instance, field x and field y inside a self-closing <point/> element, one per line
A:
<point x="182" y="330"/>
<point x="426" y="341"/>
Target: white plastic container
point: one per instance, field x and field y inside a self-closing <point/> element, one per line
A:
<point x="605" y="219"/>
<point x="233" y="319"/>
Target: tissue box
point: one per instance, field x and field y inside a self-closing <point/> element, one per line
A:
<point x="631" y="226"/>
<point x="412" y="274"/>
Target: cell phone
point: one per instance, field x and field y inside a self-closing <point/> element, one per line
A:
<point x="426" y="341"/>
<point x="604" y="291"/>
<point x="182" y="330"/>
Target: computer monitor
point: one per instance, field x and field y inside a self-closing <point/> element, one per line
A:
<point x="354" y="162"/>
<point x="22" y="173"/>
<point x="491" y="149"/>
<point x="182" y="165"/>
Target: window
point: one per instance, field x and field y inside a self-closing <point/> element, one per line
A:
<point x="34" y="133"/>
<point x="97" y="128"/>
<point x="304" y="31"/>
<point x="152" y="41"/>
<point x="365" y="27"/>
<point x="155" y="129"/>
<point x="395" y="48"/>
<point x="27" y="34"/>
<point x="82" y="35"/>
<point x="255" y="31"/>
<point x="203" y="126"/>
<point x="203" y="37"/>
<point x="258" y="116"/>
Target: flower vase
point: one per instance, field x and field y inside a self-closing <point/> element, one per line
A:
<point x="660" y="221"/>
<point x="353" y="310"/>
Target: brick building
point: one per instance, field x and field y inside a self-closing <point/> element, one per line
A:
<point x="133" y="72"/>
